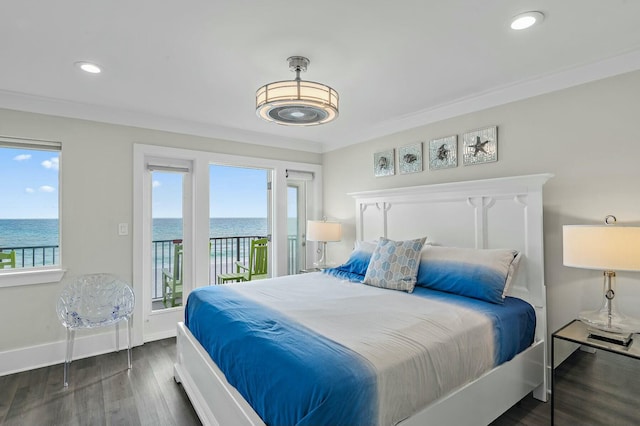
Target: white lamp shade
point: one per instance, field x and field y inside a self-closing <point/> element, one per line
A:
<point x="323" y="231"/>
<point x="603" y="247"/>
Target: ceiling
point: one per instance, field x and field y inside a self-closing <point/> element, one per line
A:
<point x="193" y="66"/>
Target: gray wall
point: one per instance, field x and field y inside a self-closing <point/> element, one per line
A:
<point x="587" y="136"/>
<point x="96" y="195"/>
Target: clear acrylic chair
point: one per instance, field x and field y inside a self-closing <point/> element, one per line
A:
<point x="92" y="301"/>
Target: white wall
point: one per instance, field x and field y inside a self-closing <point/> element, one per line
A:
<point x="588" y="136"/>
<point x="97" y="192"/>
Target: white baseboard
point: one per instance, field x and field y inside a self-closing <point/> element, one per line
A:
<point x="32" y="357"/>
<point x="150" y="337"/>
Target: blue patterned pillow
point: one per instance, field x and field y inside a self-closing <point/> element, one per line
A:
<point x="356" y="266"/>
<point x="483" y="274"/>
<point x="394" y="264"/>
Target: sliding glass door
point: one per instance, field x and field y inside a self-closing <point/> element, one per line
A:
<point x="239" y="212"/>
<point x="167" y="233"/>
<point x="195" y="214"/>
<point x="296" y="224"/>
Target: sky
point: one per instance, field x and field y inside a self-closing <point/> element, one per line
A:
<point x="234" y="192"/>
<point x="33" y="189"/>
<point x="31" y="184"/>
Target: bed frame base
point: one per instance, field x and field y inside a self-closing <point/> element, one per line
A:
<point x="484" y="399"/>
<point x="213" y="398"/>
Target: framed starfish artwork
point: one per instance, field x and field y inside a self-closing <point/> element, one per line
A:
<point x="480" y="146"/>
<point x="443" y="153"/>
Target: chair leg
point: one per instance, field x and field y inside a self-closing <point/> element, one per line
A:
<point x="117" y="337"/>
<point x="164" y="292"/>
<point x="71" y="334"/>
<point x="129" y="340"/>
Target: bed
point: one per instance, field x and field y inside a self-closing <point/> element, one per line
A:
<point x="478" y="215"/>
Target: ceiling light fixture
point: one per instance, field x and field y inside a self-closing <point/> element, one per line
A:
<point x="526" y="20"/>
<point x="297" y="102"/>
<point x="89" y="67"/>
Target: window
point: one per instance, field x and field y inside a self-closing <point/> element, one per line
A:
<point x="167" y="188"/>
<point x="30" y="207"/>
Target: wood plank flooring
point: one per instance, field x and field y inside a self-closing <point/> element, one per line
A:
<point x="528" y="412"/>
<point x="102" y="392"/>
<point x="599" y="388"/>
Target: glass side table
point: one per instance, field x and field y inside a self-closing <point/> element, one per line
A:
<point x="593" y="382"/>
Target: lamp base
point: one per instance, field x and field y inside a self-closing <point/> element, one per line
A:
<point x="610" y="322"/>
<point x="622" y="339"/>
<point x="608" y="319"/>
<point x="322" y="262"/>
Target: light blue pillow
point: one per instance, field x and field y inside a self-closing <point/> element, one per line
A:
<point x="356" y="266"/>
<point x="394" y="264"/>
<point x="483" y="274"/>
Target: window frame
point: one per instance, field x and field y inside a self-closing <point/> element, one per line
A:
<point x="39" y="274"/>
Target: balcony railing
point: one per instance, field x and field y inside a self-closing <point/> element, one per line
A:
<point x="32" y="256"/>
<point x="223" y="253"/>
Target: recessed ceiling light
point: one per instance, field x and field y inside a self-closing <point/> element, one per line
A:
<point x="89" y="67"/>
<point x="525" y="20"/>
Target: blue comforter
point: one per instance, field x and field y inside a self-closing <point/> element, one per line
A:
<point x="284" y="364"/>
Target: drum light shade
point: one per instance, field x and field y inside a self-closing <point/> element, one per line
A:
<point x="297" y="102"/>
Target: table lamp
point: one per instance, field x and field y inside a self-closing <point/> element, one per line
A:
<point x="608" y="248"/>
<point x="323" y="232"/>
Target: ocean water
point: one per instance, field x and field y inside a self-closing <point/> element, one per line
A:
<point x="28" y="232"/>
<point x="44" y="232"/>
<point x="171" y="229"/>
<point x="30" y="236"/>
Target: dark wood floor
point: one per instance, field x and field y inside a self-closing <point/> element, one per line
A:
<point x="102" y="392"/>
<point x="595" y="389"/>
<point x="528" y="412"/>
<point x="600" y="388"/>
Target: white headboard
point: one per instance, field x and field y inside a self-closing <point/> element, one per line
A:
<point x="491" y="213"/>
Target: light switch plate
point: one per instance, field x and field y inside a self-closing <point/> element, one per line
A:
<point x="123" y="229"/>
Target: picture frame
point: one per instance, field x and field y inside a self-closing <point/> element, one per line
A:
<point x="384" y="163"/>
<point x="480" y="146"/>
<point x="443" y="153"/>
<point x="410" y="158"/>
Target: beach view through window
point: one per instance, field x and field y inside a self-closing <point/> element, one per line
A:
<point x="238" y="213"/>
<point x="29" y="215"/>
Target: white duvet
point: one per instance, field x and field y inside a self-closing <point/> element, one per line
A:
<point x="421" y="349"/>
